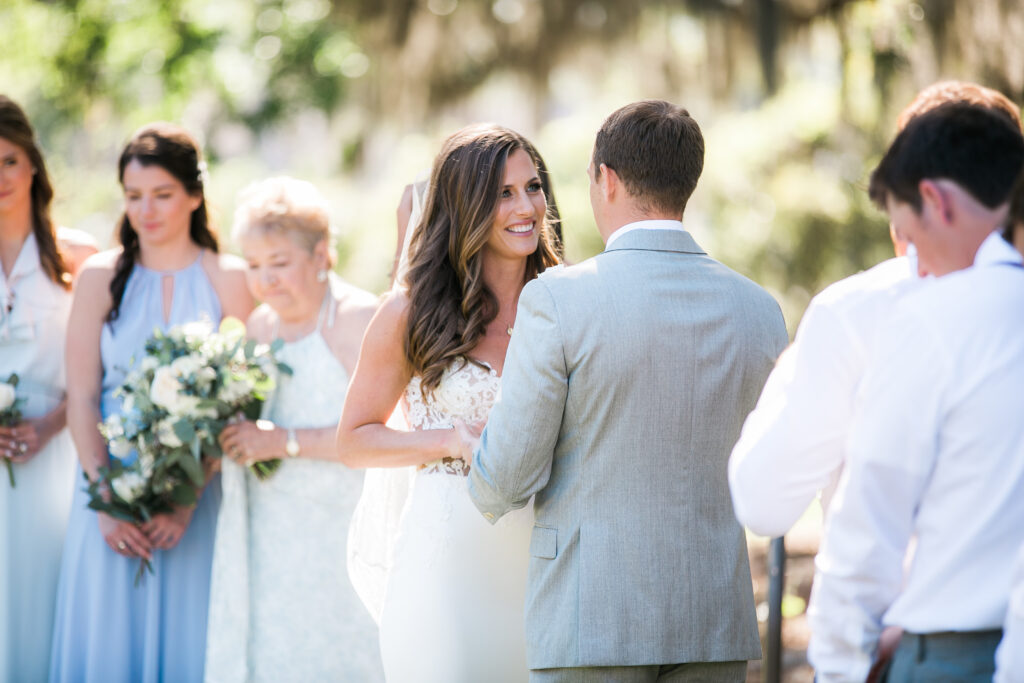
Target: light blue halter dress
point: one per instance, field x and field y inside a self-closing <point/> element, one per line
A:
<point x="106" y="629"/>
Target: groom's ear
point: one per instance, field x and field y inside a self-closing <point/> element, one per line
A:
<point x="609" y="183"/>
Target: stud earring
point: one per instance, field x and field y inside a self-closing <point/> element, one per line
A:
<point x="321" y="275"/>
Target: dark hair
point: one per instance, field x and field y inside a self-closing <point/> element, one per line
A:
<point x="15" y="128"/>
<point x="1015" y="221"/>
<point x="969" y="145"/>
<point x="945" y="92"/>
<point x="656" y="149"/>
<point x="450" y="305"/>
<point x="173" y="149"/>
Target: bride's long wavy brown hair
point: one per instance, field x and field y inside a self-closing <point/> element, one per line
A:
<point x="450" y="305"/>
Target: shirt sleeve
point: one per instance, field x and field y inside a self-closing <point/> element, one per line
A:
<point x="514" y="458"/>
<point x="891" y="452"/>
<point x="792" y="443"/>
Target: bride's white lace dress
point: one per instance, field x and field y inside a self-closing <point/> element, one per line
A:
<point x="453" y="607"/>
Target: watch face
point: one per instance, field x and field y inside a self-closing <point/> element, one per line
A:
<point x="291" y="447"/>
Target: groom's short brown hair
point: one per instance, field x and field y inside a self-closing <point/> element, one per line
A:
<point x="657" y="151"/>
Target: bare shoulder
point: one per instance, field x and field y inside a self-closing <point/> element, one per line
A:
<point x="227" y="275"/>
<point x="98" y="269"/>
<point x="260" y="325"/>
<point x="392" y="310"/>
<point x="355" y="302"/>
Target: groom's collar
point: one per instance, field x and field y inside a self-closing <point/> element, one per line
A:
<point x="653" y="235"/>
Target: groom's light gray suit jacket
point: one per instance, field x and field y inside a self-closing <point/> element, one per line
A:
<point x="626" y="383"/>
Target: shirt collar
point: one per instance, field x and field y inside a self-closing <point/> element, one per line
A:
<point x="27" y="261"/>
<point x="660" y="224"/>
<point x="996" y="250"/>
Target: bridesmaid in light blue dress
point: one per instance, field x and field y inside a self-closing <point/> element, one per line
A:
<point x="167" y="273"/>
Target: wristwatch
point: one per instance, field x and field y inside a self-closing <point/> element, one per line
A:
<point x="291" y="446"/>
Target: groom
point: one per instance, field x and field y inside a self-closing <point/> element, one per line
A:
<point x="626" y="383"/>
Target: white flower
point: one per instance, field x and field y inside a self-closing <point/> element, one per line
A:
<point x="129" y="486"/>
<point x="165" y="389"/>
<point x="200" y="329"/>
<point x="165" y="433"/>
<point x="6" y="396"/>
<point x="120" y="447"/>
<point x="235" y="390"/>
<point x="186" y="366"/>
<point x="113" y="426"/>
<point x="206" y="376"/>
<point x="149" y="364"/>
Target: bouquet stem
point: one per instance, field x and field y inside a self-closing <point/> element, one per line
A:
<point x="144" y="567"/>
<point x="10" y="472"/>
<point x="265" y="468"/>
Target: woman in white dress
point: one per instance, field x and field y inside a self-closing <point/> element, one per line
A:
<point x="35" y="299"/>
<point x="453" y="608"/>
<point x="281" y="607"/>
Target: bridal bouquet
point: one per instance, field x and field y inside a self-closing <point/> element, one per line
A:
<point x="188" y="385"/>
<point x="10" y="413"/>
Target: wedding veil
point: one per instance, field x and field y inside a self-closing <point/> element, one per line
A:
<point x="378" y="514"/>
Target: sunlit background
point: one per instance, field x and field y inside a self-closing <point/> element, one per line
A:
<point x="797" y="99"/>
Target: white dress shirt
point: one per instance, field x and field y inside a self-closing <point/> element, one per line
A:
<point x="792" y="443"/>
<point x="1010" y="655"/>
<point x="935" y="453"/>
<point x="659" y="224"/>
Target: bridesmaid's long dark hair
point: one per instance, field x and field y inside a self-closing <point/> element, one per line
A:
<point x="173" y="149"/>
<point x="15" y="128"/>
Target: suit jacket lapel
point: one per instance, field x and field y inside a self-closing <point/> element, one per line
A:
<point x="657" y="240"/>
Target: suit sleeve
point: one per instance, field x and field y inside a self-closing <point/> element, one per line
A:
<point x="513" y="460"/>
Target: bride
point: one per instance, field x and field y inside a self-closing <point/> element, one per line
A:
<point x="453" y="606"/>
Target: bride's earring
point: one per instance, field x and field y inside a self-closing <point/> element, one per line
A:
<point x="321" y="275"/>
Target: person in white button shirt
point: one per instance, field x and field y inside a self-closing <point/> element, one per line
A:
<point x="792" y="443"/>
<point x="936" y="448"/>
<point x="1010" y="655"/>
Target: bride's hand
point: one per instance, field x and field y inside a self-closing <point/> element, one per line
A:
<point x="468" y="439"/>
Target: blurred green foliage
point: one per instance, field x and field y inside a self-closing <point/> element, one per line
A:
<point x="797" y="99"/>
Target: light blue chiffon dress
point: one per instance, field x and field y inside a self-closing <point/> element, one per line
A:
<point x="107" y="629"/>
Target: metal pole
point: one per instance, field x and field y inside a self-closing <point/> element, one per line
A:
<point x="776" y="583"/>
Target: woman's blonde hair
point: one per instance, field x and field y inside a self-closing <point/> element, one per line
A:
<point x="284" y="206"/>
<point x="450" y="305"/>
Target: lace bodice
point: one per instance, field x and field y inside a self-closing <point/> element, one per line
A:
<point x="466" y="392"/>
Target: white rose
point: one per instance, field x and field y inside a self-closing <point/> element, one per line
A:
<point x="149" y="364"/>
<point x="120" y="447"/>
<point x="165" y="391"/>
<point x="165" y="433"/>
<point x="129" y="486"/>
<point x="6" y="396"/>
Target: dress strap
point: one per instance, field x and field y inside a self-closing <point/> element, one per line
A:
<point x="327" y="310"/>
